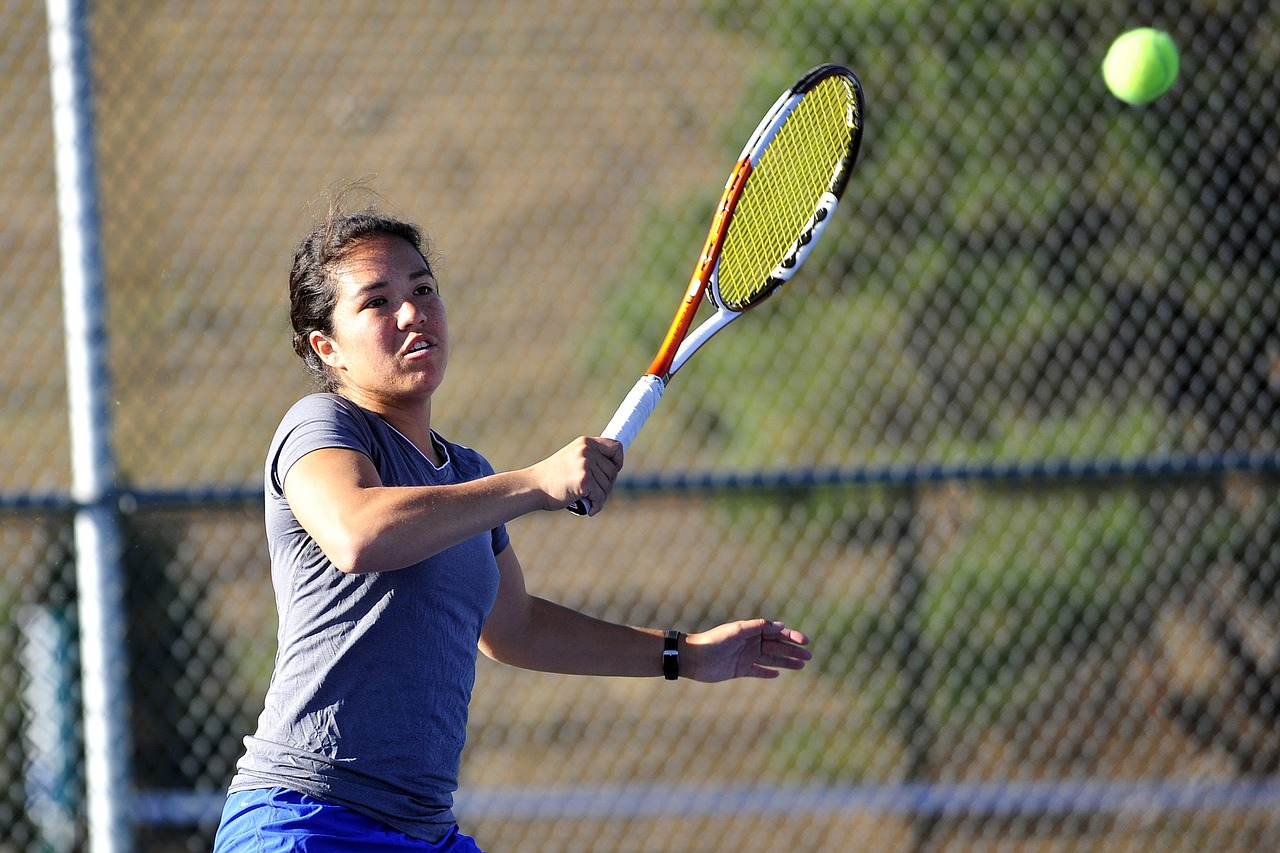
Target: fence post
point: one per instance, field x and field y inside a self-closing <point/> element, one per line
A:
<point x="912" y="655"/>
<point x="97" y="533"/>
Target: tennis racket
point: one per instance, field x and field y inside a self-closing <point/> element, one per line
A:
<point x="778" y="200"/>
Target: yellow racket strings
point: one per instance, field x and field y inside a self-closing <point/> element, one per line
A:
<point x="801" y="163"/>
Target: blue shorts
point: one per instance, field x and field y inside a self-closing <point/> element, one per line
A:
<point x="277" y="820"/>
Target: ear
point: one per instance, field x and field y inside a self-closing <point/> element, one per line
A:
<point x="325" y="348"/>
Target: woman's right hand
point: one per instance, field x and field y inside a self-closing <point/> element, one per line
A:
<point x="586" y="468"/>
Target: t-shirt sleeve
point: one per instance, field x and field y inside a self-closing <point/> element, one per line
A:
<point x="315" y="422"/>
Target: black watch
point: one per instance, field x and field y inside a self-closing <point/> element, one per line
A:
<point x="671" y="656"/>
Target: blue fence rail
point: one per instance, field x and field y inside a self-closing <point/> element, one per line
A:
<point x="1011" y="473"/>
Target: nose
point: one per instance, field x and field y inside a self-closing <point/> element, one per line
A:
<point x="408" y="314"/>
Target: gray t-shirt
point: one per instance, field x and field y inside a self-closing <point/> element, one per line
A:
<point x="368" y="701"/>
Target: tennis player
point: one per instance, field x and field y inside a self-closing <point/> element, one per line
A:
<point x="391" y="565"/>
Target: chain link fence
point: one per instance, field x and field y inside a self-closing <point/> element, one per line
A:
<point x="1007" y="447"/>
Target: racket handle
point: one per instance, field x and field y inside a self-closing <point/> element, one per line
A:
<point x="627" y="420"/>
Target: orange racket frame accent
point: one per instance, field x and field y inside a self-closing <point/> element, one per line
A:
<point x="661" y="366"/>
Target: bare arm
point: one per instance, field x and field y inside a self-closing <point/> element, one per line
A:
<point x="533" y="633"/>
<point x="364" y="526"/>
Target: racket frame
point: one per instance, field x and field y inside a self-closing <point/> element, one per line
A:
<point x="680" y="343"/>
<point x="706" y="272"/>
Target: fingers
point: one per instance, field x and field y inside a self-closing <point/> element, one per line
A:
<point x="783" y="648"/>
<point x="604" y="462"/>
<point x="788" y="657"/>
<point x="752" y="648"/>
<point x="791" y="635"/>
<point x="586" y="468"/>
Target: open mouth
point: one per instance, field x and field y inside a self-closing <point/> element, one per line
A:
<point x="419" y="346"/>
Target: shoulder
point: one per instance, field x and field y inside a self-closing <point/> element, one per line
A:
<point x="315" y="422"/>
<point x="325" y="414"/>
<point x="321" y="406"/>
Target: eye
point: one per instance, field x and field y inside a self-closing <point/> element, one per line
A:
<point x="376" y="302"/>
<point x="426" y="289"/>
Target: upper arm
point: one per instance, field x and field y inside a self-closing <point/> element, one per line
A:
<point x="323" y="489"/>
<point x="510" y="617"/>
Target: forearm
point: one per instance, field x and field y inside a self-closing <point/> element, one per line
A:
<point x="363" y="525"/>
<point x="393" y="527"/>
<point x="554" y="638"/>
<point x="530" y="632"/>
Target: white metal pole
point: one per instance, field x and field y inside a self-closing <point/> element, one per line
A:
<point x="97" y="531"/>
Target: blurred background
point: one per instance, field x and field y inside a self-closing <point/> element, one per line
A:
<point x="1006" y="447"/>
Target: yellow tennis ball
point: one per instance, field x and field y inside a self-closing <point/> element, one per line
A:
<point x="1141" y="65"/>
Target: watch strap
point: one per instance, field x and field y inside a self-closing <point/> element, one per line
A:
<point x="671" y="656"/>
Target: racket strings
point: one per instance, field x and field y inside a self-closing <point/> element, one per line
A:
<point x="805" y="159"/>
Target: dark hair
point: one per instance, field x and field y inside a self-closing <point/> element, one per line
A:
<point x="313" y="289"/>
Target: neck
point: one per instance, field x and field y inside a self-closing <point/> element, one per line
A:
<point x="412" y="420"/>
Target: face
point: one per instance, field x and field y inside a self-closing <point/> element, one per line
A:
<point x="390" y="341"/>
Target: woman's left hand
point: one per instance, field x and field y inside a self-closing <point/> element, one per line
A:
<point x="752" y="648"/>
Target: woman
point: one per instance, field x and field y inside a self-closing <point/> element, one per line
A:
<point x="391" y="564"/>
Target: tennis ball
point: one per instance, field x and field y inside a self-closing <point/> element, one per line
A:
<point x="1141" y="65"/>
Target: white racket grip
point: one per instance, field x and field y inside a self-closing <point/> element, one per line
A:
<point x="628" y="419"/>
<point x="635" y="410"/>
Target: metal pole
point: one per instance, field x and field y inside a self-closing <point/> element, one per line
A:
<point x="97" y="528"/>
<point x="918" y="732"/>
